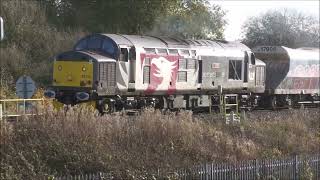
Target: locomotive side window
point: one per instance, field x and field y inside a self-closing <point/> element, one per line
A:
<point x="235" y="69"/>
<point x="253" y="59"/>
<point x="193" y="52"/>
<point x="132" y="54"/>
<point x="200" y="71"/>
<point x="173" y="51"/>
<point x="124" y="55"/>
<point x="184" y="52"/>
<point x="150" y="50"/>
<point x="246" y="62"/>
<point x="162" y="51"/>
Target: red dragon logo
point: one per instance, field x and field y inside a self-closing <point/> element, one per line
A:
<point x="163" y="73"/>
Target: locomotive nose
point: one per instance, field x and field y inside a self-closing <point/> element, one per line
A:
<point x="73" y="69"/>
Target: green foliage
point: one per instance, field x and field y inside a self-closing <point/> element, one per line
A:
<point x="284" y="28"/>
<point x="184" y="18"/>
<point x="192" y="19"/>
<point x="30" y="42"/>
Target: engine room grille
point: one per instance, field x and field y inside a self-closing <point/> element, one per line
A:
<point x="107" y="72"/>
<point x="182" y="63"/>
<point x="146" y="74"/>
<point x="182" y="76"/>
<point x="191" y="64"/>
<point x="260" y="76"/>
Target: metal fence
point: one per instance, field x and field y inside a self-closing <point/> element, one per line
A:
<point x="293" y="168"/>
<point x="92" y="176"/>
<point x="297" y="167"/>
<point x="15" y="108"/>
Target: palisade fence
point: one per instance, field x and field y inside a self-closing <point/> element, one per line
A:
<point x="297" y="167"/>
<point x="293" y="168"/>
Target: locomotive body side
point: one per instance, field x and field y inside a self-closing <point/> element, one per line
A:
<point x="129" y="71"/>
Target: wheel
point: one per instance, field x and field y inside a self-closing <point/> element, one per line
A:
<point x="107" y="106"/>
<point x="289" y="102"/>
<point x="273" y="102"/>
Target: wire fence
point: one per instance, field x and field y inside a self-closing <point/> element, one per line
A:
<point x="293" y="168"/>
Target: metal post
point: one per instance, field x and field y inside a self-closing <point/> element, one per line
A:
<point x="24" y="106"/>
<point x="210" y="104"/>
<point x="0" y="112"/>
<point x="4" y="109"/>
<point x="296" y="167"/>
<point x="257" y="176"/>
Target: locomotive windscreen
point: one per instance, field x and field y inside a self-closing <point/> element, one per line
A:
<point x="98" y="43"/>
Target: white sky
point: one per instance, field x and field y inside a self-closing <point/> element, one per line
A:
<point x="239" y="11"/>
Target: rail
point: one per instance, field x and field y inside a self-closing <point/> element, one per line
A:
<point x="14" y="108"/>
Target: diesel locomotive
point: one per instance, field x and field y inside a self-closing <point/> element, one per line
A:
<point x="116" y="72"/>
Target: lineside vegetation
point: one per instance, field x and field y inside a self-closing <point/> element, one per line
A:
<point x="80" y="141"/>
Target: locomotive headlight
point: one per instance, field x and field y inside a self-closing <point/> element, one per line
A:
<point x="69" y="77"/>
<point x="84" y="68"/>
<point x="59" y="67"/>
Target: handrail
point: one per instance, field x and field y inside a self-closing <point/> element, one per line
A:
<point x="13" y="100"/>
<point x="18" y="112"/>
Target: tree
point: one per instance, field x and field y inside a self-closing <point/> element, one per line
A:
<point x="116" y="16"/>
<point x="282" y="27"/>
<point x="184" y="18"/>
<point x="192" y="19"/>
<point x="30" y="42"/>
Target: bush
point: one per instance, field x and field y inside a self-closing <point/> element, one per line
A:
<point x="30" y="42"/>
<point x="80" y="141"/>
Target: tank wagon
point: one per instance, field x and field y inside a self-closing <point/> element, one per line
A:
<point x="292" y="75"/>
<point x="130" y="71"/>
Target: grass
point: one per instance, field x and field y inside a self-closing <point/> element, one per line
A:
<point x="80" y="141"/>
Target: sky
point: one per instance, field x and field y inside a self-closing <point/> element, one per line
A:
<point x="239" y="11"/>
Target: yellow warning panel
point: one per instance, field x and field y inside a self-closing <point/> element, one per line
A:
<point x="73" y="73"/>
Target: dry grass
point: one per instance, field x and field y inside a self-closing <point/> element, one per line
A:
<point x="80" y="141"/>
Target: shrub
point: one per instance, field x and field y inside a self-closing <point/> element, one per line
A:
<point x="80" y="141"/>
